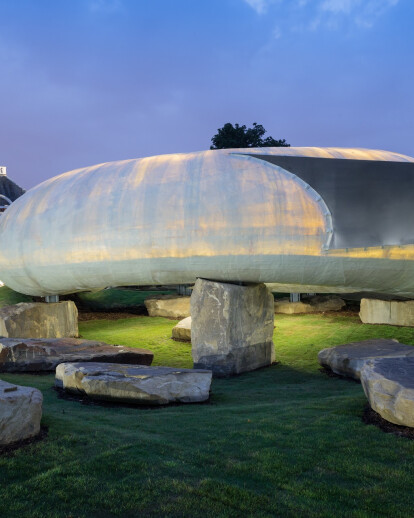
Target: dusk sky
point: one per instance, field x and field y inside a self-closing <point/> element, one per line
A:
<point x="90" y="81"/>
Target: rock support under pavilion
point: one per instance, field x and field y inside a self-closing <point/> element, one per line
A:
<point x="232" y="327"/>
<point x="39" y="320"/>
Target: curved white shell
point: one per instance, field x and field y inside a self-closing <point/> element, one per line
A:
<point x="168" y="219"/>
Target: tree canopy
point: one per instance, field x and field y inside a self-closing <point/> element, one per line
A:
<point x="237" y="136"/>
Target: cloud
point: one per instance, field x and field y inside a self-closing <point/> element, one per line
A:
<point x="105" y="6"/>
<point x="260" y="6"/>
<point x="361" y="12"/>
<point x="277" y="33"/>
<point x="349" y="6"/>
<point x="312" y="15"/>
<point x="339" y="6"/>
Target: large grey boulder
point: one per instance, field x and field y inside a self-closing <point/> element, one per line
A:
<point x="140" y="385"/>
<point x="45" y="354"/>
<point x="392" y="312"/>
<point x="20" y="412"/>
<point x="39" y="320"/>
<point x="182" y="331"/>
<point x="389" y="386"/>
<point x="316" y="304"/>
<point x="231" y="327"/>
<point x="168" y="306"/>
<point x="349" y="359"/>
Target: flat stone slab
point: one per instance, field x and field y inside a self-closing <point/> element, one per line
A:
<point x="391" y="312"/>
<point x="389" y="386"/>
<point x="168" y="306"/>
<point x="39" y="320"/>
<point x="45" y="354"/>
<point x="315" y="304"/>
<point x="182" y="331"/>
<point x="139" y="385"/>
<point x="20" y="412"/>
<point x="348" y="359"/>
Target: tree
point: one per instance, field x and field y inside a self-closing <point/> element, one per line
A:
<point x="236" y="136"/>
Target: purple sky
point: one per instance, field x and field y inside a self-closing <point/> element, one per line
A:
<point x="89" y="81"/>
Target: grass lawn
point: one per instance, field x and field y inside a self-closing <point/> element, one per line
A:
<point x="283" y="441"/>
<point x="116" y="298"/>
<point x="9" y="297"/>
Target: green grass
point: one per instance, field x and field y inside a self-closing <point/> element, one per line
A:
<point x="283" y="441"/>
<point x="116" y="298"/>
<point x="9" y="297"/>
<point x="152" y="333"/>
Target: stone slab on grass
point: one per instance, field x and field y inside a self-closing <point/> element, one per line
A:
<point x="315" y="304"/>
<point x="168" y="306"/>
<point x="45" y="354"/>
<point x="20" y="412"/>
<point x="39" y="320"/>
<point x="231" y="327"/>
<point x="182" y="331"/>
<point x="391" y="312"/>
<point x="349" y="359"/>
<point x="139" y="385"/>
<point x="389" y="386"/>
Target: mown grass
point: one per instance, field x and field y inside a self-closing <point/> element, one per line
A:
<point x="282" y="441"/>
<point x="152" y="333"/>
<point x="117" y="298"/>
<point x="9" y="297"/>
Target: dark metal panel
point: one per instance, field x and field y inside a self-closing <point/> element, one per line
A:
<point x="371" y="202"/>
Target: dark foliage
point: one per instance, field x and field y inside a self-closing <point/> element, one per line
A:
<point x="236" y="136"/>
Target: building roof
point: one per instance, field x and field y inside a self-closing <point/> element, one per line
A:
<point x="10" y="189"/>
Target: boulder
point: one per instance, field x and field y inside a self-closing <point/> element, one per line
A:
<point x="45" y="354"/>
<point x="315" y="304"/>
<point x="20" y="412"/>
<point x="389" y="386"/>
<point x="231" y="327"/>
<point x="182" y="331"/>
<point x="349" y="359"/>
<point x="392" y="312"/>
<point x="168" y="306"/>
<point x="139" y="385"/>
<point x="39" y="320"/>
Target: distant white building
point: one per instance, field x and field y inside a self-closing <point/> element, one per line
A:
<point x="9" y="191"/>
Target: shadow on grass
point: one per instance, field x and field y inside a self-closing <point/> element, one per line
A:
<point x="9" y="449"/>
